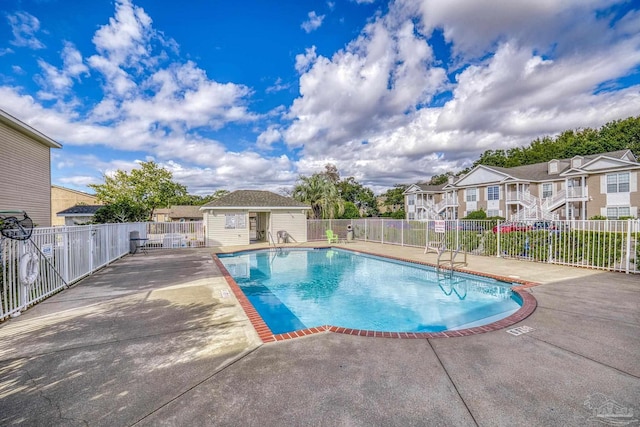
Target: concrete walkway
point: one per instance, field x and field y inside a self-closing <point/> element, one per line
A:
<point x="158" y="340"/>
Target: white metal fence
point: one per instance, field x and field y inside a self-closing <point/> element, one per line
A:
<point x="606" y="245"/>
<point x="55" y="257"/>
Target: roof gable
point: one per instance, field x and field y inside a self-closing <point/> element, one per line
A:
<point x="605" y="162"/>
<point x="27" y="130"/>
<point x="254" y="199"/>
<point x="481" y="175"/>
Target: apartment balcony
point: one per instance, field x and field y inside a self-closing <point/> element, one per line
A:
<point x="577" y="194"/>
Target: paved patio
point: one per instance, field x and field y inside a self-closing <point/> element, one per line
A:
<point x="158" y="339"/>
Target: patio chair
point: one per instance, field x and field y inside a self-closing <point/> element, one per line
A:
<point x="331" y="238"/>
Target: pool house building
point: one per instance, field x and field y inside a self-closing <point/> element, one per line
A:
<point x="250" y="216"/>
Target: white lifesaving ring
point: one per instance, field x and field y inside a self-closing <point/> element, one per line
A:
<point x="29" y="268"/>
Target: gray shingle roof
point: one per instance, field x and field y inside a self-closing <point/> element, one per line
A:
<point x="255" y="199"/>
<point x="81" y="210"/>
<point x="540" y="171"/>
<point x="427" y="187"/>
<point x="185" y="211"/>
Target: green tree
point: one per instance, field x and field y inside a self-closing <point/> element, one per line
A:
<point x="613" y="136"/>
<point x="350" y="211"/>
<point x="321" y="194"/>
<point x="146" y="188"/>
<point x="361" y="196"/>
<point x="194" y="200"/>
<point x="395" y="196"/>
<point x="121" y="211"/>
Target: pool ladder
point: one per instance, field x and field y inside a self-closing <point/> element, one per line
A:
<point x="450" y="262"/>
<point x="275" y="248"/>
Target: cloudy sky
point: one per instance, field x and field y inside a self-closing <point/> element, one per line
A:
<point x="251" y="94"/>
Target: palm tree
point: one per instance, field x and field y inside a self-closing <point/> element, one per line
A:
<point x="321" y="194"/>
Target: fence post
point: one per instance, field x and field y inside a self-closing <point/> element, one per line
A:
<point x="402" y="233"/>
<point x="628" y="261"/>
<point x="65" y="253"/>
<point x="365" y="229"/>
<point x="498" y="239"/>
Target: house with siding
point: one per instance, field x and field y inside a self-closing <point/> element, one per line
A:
<point x="25" y="169"/>
<point x="64" y="198"/>
<point x="582" y="187"/>
<point x="79" y="214"/>
<point x="177" y="213"/>
<point x="246" y="216"/>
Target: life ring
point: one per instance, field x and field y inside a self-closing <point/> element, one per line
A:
<point x="29" y="268"/>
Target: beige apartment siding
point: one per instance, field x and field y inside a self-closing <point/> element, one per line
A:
<point x="25" y="175"/>
<point x="293" y="222"/>
<point x="64" y="198"/>
<point x="217" y="235"/>
<point x="597" y="199"/>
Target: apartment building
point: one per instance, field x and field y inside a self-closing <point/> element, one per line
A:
<point x="582" y="187"/>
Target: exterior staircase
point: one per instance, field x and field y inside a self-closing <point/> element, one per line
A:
<point x="535" y="209"/>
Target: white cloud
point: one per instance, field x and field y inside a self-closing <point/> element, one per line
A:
<point x="536" y="70"/>
<point x="313" y="23"/>
<point x="370" y="85"/>
<point x="278" y="86"/>
<point x="475" y="27"/>
<point x="268" y="137"/>
<point x="24" y="28"/>
<point x="59" y="81"/>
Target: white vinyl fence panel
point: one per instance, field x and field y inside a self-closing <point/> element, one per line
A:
<point x="606" y="245"/>
<point x="59" y="256"/>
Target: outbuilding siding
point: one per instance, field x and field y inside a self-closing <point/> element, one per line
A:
<point x="293" y="222"/>
<point x="218" y="235"/>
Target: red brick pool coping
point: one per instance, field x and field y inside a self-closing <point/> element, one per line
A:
<point x="529" y="304"/>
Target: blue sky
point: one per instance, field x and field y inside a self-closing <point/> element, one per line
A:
<point x="251" y="94"/>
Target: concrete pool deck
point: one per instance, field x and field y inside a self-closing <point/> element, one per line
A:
<point x="159" y="339"/>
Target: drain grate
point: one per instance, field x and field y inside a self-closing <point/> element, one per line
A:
<point x="224" y="293"/>
<point x="519" y="330"/>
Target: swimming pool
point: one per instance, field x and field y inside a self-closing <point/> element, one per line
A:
<point x="299" y="289"/>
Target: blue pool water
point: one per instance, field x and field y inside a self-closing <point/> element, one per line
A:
<point x="298" y="289"/>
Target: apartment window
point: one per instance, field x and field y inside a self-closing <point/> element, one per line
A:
<point x="547" y="191"/>
<point x="618" y="182"/>
<point x="411" y="201"/>
<point x="472" y="194"/>
<point x="493" y="193"/>
<point x="492" y="213"/>
<point x="235" y="221"/>
<point x="617" y="212"/>
<point x="411" y="216"/>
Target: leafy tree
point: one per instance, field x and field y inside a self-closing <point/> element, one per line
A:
<point x="146" y="188"/>
<point x="350" y="211"/>
<point x="331" y="172"/>
<point x="319" y="192"/>
<point x="121" y="211"/>
<point x="613" y="136"/>
<point x="361" y="196"/>
<point x="194" y="200"/>
<point x="395" y="196"/>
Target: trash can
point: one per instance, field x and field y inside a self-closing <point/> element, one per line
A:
<point x="349" y="232"/>
<point x="134" y="238"/>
